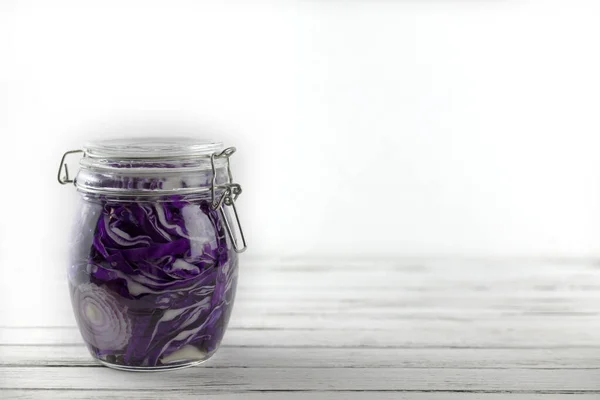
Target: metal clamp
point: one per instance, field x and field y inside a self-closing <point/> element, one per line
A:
<point x="63" y="165"/>
<point x="231" y="191"/>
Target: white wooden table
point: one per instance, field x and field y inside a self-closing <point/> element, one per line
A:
<point x="354" y="329"/>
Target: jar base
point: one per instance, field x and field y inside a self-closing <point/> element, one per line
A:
<point x="170" y="367"/>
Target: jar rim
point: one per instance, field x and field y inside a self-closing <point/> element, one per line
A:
<point x="152" y="148"/>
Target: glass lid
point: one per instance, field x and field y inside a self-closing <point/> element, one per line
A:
<point x="152" y="148"/>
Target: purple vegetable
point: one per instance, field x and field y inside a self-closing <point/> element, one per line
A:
<point x="102" y="320"/>
<point x="152" y="281"/>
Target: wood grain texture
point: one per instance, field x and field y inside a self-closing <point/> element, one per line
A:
<point x="417" y="334"/>
<point x="351" y="329"/>
<point x="278" y="395"/>
<point x="210" y="380"/>
<point x="302" y="357"/>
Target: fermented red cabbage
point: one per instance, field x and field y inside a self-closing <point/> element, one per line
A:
<point x="102" y="320"/>
<point x="152" y="281"/>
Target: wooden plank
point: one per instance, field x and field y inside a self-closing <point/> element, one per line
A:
<point x="445" y="279"/>
<point x="578" y="323"/>
<point x="244" y="357"/>
<point x="403" y="304"/>
<point x="277" y="395"/>
<point x="542" y="280"/>
<point x="442" y="275"/>
<point x="415" y="334"/>
<point x="572" y="317"/>
<point x="566" y="316"/>
<point x="305" y="290"/>
<point x="56" y="265"/>
<point x="399" y="287"/>
<point x="377" y="297"/>
<point x="211" y="380"/>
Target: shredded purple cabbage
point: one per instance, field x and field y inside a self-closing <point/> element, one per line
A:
<point x="152" y="282"/>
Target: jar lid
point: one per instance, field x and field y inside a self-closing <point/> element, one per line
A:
<point x="151" y="148"/>
<point x="151" y="166"/>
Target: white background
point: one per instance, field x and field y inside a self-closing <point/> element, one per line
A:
<point x="365" y="128"/>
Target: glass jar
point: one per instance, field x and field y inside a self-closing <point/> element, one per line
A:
<point x="153" y="266"/>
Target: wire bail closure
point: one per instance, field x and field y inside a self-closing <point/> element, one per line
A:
<point x="231" y="191"/>
<point x="63" y="180"/>
<point x="228" y="198"/>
